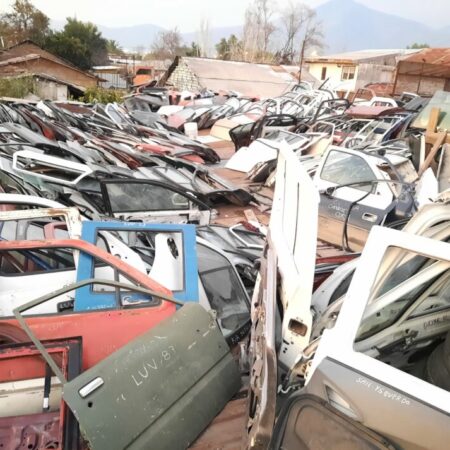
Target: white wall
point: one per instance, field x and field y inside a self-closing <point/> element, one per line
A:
<point x="50" y="90"/>
<point x="334" y="75"/>
<point x="374" y="73"/>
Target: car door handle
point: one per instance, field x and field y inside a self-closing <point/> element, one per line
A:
<point x="370" y="217"/>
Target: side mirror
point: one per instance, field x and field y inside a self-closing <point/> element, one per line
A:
<point x="180" y="200"/>
<point x="329" y="191"/>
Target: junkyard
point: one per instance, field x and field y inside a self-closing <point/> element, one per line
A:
<point x="223" y="253"/>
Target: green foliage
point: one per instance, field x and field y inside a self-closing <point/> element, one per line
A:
<point x="230" y="48"/>
<point x="100" y="95"/>
<point x="417" y="45"/>
<point x="24" y="22"/>
<point x="193" y="50"/>
<point x="114" y="48"/>
<point x="79" y="42"/>
<point x="17" y="87"/>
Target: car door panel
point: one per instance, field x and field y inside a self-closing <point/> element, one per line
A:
<point x="352" y="209"/>
<point x="175" y="268"/>
<point x="152" y="201"/>
<point x="181" y="374"/>
<point x="293" y="231"/>
<point x="307" y="422"/>
<point x="379" y="395"/>
<point x="380" y="406"/>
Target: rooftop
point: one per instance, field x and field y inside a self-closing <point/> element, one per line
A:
<point x="258" y="80"/>
<point x="361" y="55"/>
<point x="439" y="56"/>
<point x="428" y="62"/>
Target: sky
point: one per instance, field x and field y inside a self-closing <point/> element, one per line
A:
<point x="186" y="14"/>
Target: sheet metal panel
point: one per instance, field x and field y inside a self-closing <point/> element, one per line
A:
<point x="86" y="299"/>
<point x="159" y="391"/>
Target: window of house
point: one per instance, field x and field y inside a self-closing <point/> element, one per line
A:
<point x="348" y="73"/>
<point x="324" y="73"/>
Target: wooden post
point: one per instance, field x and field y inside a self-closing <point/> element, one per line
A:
<point x="433" y="120"/>
<point x="436" y="146"/>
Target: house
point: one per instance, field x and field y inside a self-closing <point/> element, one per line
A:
<point x="112" y="76"/>
<point x="354" y="70"/>
<point x="424" y="72"/>
<point x="249" y="79"/>
<point x="59" y="77"/>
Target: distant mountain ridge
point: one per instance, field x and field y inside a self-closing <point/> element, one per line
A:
<point x="347" y="26"/>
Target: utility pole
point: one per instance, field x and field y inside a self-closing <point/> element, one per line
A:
<point x="302" y="56"/>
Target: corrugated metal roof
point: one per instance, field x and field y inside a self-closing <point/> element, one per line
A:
<point x="14" y="51"/>
<point x="429" y="62"/>
<point x="19" y="59"/>
<point x="439" y="56"/>
<point x="306" y="76"/>
<point x="361" y="55"/>
<point x="260" y="80"/>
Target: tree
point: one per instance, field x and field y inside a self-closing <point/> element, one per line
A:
<point x="193" y="50"/>
<point x="113" y="47"/>
<point x="258" y="29"/>
<point x="301" y="31"/>
<point x="168" y="44"/>
<point x="312" y="37"/>
<point x="267" y="27"/>
<point x="417" y="46"/>
<point x="24" y="21"/>
<point x="291" y="19"/>
<point x="204" y="38"/>
<point x="229" y="49"/>
<point x="79" y="42"/>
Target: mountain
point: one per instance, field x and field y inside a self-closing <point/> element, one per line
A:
<point x="132" y="37"/>
<point x="216" y="34"/>
<point x="349" y="26"/>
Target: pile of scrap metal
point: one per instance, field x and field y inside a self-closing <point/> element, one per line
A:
<point x="130" y="319"/>
<point x="99" y="160"/>
<point x="136" y="305"/>
<point x="117" y="334"/>
<point x="355" y="364"/>
<point x="373" y="165"/>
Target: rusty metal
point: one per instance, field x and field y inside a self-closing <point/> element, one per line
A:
<point x="25" y="307"/>
<point x="48" y="430"/>
<point x="34" y="431"/>
<point x="98" y="329"/>
<point x="49" y="229"/>
<point x="429" y="62"/>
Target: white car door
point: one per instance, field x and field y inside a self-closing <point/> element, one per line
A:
<point x="351" y="209"/>
<point x="391" y="396"/>
<point x="293" y="232"/>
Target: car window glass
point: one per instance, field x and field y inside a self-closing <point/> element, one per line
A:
<point x="410" y="273"/>
<point x="129" y="197"/>
<point x="406" y="324"/>
<point x="29" y="262"/>
<point x="223" y="289"/>
<point x="343" y="168"/>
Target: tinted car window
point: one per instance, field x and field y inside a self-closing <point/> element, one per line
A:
<point x="129" y="197"/>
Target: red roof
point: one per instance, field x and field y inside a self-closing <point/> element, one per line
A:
<point x="429" y="62"/>
<point x="440" y="56"/>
